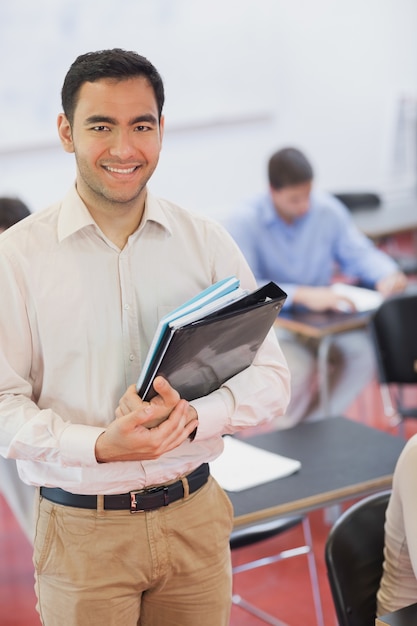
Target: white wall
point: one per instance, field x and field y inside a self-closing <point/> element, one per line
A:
<point x="243" y="78"/>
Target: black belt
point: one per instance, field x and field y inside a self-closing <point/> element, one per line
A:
<point x="135" y="501"/>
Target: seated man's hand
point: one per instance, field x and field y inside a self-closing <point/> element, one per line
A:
<point x="146" y="430"/>
<point x="394" y="283"/>
<point x="322" y="299"/>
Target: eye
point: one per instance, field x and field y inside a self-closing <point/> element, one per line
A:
<point x="100" y="128"/>
<point x="142" y="128"/>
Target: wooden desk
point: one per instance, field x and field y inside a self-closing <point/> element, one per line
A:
<point x="340" y="460"/>
<point x="403" y="617"/>
<point x="390" y="218"/>
<point x="322" y="326"/>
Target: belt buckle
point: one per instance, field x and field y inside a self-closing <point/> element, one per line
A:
<point x="151" y="490"/>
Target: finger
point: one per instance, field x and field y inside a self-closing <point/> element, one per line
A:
<point x="168" y="394"/>
<point x="188" y="421"/>
<point x="131" y="401"/>
<point x="123" y="408"/>
<point x="172" y="429"/>
<point x="127" y="406"/>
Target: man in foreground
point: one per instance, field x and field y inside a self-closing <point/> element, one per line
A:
<point x="131" y="527"/>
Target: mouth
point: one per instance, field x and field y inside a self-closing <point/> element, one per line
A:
<point x="121" y="170"/>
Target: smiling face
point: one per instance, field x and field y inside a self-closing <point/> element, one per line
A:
<point x="116" y="137"/>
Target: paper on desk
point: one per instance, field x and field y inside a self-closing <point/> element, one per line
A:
<point x="242" y="465"/>
<point x="363" y="299"/>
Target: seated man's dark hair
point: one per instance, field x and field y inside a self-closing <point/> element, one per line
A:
<point x="289" y="167"/>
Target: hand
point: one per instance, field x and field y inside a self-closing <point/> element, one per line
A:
<point x="394" y="283"/>
<point x="159" y="407"/>
<point x="130" y="436"/>
<point x="323" y="299"/>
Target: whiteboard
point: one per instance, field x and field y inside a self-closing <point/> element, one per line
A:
<point x="208" y="55"/>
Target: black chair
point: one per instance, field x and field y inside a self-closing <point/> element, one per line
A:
<point x="260" y="531"/>
<point x="354" y="555"/>
<point x="357" y="201"/>
<point x="393" y="330"/>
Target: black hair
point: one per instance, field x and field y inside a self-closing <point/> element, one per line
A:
<point x="115" y="63"/>
<point x="12" y="210"/>
<point x="289" y="167"/>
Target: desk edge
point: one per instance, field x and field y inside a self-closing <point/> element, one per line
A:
<point x="312" y="331"/>
<point x="317" y="501"/>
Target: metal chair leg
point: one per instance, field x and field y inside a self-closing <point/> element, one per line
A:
<point x="253" y="610"/>
<point x="307" y="549"/>
<point x="314" y="578"/>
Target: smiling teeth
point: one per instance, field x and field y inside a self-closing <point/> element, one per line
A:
<point x="119" y="171"/>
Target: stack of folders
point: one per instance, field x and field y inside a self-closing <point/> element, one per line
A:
<point x="210" y="338"/>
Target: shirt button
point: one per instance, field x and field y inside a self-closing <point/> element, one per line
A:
<point x="126" y="307"/>
<point x="131" y="357"/>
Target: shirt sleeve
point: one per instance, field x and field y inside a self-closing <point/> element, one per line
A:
<point x="26" y="430"/>
<point x="405" y="480"/>
<point x="254" y="396"/>
<point x="259" y="393"/>
<point x="356" y="254"/>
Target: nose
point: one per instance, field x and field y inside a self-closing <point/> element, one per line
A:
<point x="123" y="145"/>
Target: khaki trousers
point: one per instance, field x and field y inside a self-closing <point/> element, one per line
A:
<point x="168" y="567"/>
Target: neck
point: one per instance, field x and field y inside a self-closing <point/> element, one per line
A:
<point x="117" y="220"/>
<point x="118" y="233"/>
<point x="118" y="225"/>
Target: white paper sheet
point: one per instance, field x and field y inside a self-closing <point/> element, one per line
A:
<point x="242" y="465"/>
<point x="364" y="299"/>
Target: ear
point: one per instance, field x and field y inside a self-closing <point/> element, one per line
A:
<point x="65" y="133"/>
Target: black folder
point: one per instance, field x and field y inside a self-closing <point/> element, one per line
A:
<point x="199" y="357"/>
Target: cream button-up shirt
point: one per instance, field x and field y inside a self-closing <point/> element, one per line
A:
<point x="77" y="317"/>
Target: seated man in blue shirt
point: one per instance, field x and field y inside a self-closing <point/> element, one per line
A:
<point x="298" y="238"/>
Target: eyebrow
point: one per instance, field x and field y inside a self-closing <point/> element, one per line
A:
<point x="104" y="119"/>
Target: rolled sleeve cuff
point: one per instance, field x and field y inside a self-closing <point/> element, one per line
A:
<point x="78" y="443"/>
<point x="212" y="416"/>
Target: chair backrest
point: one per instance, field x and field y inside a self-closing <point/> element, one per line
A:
<point x="359" y="200"/>
<point x="354" y="558"/>
<point x="393" y="329"/>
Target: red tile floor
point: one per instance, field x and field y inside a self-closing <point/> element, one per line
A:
<point x="282" y="589"/>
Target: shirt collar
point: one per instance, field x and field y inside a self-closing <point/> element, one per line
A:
<point x="155" y="212"/>
<point x="74" y="215"/>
